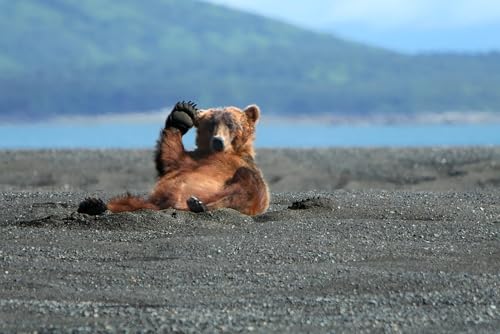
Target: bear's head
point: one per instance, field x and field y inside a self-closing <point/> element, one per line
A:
<point x="228" y="129"/>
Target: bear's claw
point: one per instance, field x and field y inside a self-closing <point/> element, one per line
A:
<point x="182" y="116"/>
<point x="188" y="107"/>
<point x="195" y="205"/>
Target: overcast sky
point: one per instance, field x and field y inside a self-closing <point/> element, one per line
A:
<point x="432" y="24"/>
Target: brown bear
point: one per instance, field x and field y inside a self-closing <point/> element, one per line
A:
<point x="220" y="173"/>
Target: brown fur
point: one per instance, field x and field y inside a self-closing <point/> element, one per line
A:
<point x="220" y="179"/>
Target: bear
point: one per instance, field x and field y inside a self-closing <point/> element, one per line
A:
<point x="220" y="173"/>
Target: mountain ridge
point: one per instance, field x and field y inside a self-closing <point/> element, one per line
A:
<point x="69" y="57"/>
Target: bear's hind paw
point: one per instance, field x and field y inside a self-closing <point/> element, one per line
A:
<point x="92" y="206"/>
<point x="195" y="205"/>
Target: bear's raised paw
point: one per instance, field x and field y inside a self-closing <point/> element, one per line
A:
<point x="182" y="116"/>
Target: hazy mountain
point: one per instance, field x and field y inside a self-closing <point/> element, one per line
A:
<point x="94" y="56"/>
<point x="481" y="38"/>
<point x="405" y="25"/>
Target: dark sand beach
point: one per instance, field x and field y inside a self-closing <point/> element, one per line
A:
<point x="355" y="240"/>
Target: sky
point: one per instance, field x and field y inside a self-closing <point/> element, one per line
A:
<point x="403" y="25"/>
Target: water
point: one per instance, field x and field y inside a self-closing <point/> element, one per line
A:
<point x="271" y="134"/>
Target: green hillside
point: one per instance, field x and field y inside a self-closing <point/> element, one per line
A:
<point x="96" y="56"/>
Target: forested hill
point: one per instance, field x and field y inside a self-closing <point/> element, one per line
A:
<point x="96" y="56"/>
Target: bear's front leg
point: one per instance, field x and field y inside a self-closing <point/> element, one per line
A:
<point x="169" y="148"/>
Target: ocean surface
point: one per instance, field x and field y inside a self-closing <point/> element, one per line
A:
<point x="271" y="134"/>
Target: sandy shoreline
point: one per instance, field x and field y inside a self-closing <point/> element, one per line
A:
<point x="356" y="240"/>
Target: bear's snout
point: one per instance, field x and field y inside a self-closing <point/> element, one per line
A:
<point x="218" y="144"/>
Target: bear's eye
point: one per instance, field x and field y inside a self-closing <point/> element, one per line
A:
<point x="230" y="125"/>
<point x="229" y="122"/>
<point x="211" y="125"/>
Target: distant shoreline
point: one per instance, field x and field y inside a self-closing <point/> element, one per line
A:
<point x="158" y="116"/>
<point x="452" y="117"/>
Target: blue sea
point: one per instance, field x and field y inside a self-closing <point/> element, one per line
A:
<point x="272" y="135"/>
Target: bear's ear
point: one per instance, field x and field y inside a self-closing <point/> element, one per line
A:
<point x="252" y="112"/>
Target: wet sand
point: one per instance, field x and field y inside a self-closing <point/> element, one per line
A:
<point x="356" y="240"/>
